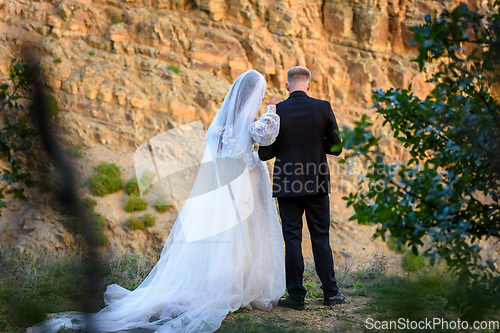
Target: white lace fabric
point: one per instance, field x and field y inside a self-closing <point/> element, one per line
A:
<point x="265" y="130"/>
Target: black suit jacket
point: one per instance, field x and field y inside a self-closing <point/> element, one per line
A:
<point x="307" y="133"/>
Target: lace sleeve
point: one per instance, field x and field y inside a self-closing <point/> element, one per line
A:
<point x="265" y="130"/>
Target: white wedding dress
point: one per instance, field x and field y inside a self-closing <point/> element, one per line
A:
<point x="225" y="250"/>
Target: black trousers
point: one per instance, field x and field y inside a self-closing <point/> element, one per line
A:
<point x="317" y="209"/>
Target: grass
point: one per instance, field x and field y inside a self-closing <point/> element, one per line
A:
<point x="57" y="60"/>
<point x="35" y="284"/>
<point x="141" y="222"/>
<point x="135" y="203"/>
<point x="311" y="282"/>
<point x="415" y="296"/>
<point x="127" y="269"/>
<point x="117" y="20"/>
<point x="32" y="285"/>
<point x="106" y="180"/>
<point x="243" y="323"/>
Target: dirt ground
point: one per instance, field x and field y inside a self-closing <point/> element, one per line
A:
<point x="347" y="317"/>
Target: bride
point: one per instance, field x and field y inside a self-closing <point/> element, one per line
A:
<point x="225" y="250"/>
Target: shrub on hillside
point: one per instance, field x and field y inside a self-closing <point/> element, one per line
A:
<point x="162" y="204"/>
<point x="76" y="150"/>
<point x="412" y="262"/>
<point x="96" y="221"/>
<point x="106" y="180"/>
<point x="132" y="187"/>
<point x="141" y="222"/>
<point x="135" y="203"/>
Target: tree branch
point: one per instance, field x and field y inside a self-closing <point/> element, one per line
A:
<point x="10" y="98"/>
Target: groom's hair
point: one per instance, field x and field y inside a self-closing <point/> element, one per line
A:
<point x="298" y="73"/>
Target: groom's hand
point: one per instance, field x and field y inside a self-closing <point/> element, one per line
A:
<point x="274" y="101"/>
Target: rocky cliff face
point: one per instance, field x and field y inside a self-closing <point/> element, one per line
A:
<point x="112" y="65"/>
<point x="115" y="55"/>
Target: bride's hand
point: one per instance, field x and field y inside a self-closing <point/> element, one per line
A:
<point x="274" y="101"/>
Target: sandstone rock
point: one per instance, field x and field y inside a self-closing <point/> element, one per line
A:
<point x="399" y="77"/>
<point x="54" y="21"/>
<point x="338" y="18"/>
<point x="121" y="96"/>
<point x="105" y="92"/>
<point x="180" y="109"/>
<point x="138" y="102"/>
<point x="118" y="33"/>
<point x="216" y="8"/>
<point x="371" y="25"/>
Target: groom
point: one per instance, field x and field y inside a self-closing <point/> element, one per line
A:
<point x="301" y="182"/>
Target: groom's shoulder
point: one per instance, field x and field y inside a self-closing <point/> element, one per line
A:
<point x="309" y="99"/>
<point x="319" y="101"/>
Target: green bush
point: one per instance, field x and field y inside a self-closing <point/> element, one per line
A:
<point x="96" y="220"/>
<point x="92" y="53"/>
<point x="392" y="244"/>
<point x="413" y="263"/>
<point x="88" y="203"/>
<point x="412" y="295"/>
<point x="106" y="180"/>
<point x="132" y="187"/>
<point x="147" y="179"/>
<point x="117" y="20"/>
<point x="76" y="150"/>
<point x="134" y="223"/>
<point x="141" y="222"/>
<point x="149" y="220"/>
<point x="57" y="60"/>
<point x="51" y="103"/>
<point x="162" y="204"/>
<point x="162" y="208"/>
<point x="135" y="203"/>
<point x="174" y="69"/>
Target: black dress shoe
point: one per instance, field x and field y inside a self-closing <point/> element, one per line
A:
<point x="332" y="300"/>
<point x="290" y="303"/>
